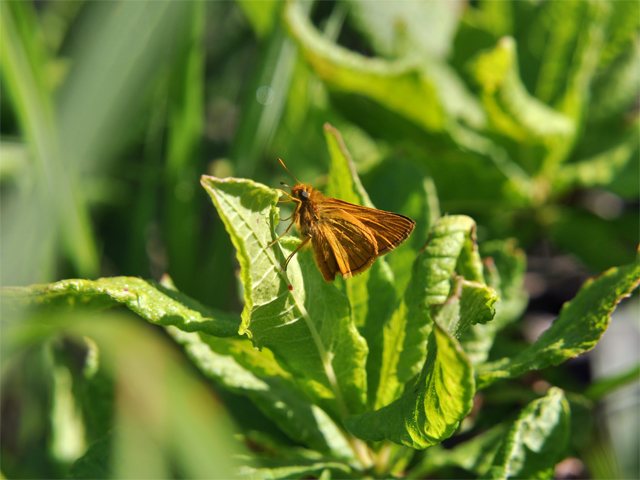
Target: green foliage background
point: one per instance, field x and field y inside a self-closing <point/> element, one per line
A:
<point x="522" y="115"/>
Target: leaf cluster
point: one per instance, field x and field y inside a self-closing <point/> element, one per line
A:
<point x="521" y="115"/>
<point x="362" y="374"/>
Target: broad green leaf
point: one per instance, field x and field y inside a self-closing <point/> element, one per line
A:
<point x="406" y="335"/>
<point x="93" y="385"/>
<point x="584" y="58"/>
<point x="429" y="411"/>
<point x="305" y="321"/>
<point x="471" y="303"/>
<point x="622" y="32"/>
<point x="495" y="17"/>
<point x="475" y="455"/>
<point x="275" y="469"/>
<point x="186" y="422"/>
<point x="372" y="294"/>
<point x="505" y="266"/>
<point x="575" y="34"/>
<point x="427" y="93"/>
<point x="344" y="182"/>
<point x="469" y="264"/>
<point x="430" y="285"/>
<point x="536" y="441"/>
<point x="581" y="323"/>
<point x="510" y="183"/>
<point x="240" y="368"/>
<point x="96" y="461"/>
<point x="381" y="301"/>
<point x="393" y="336"/>
<point x="556" y="26"/>
<point x="405" y="188"/>
<point x="148" y="299"/>
<point x="261" y="15"/>
<point x="397" y="29"/>
<point x="512" y="110"/>
<point x="614" y="89"/>
<point x="600" y="169"/>
<point x="584" y="233"/>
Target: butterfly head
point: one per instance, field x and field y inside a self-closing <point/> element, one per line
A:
<point x="301" y="192"/>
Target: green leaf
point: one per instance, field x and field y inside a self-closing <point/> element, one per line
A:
<point x="396" y="29"/>
<point x="557" y="27"/>
<point x="275" y="469"/>
<point x="536" y="441"/>
<point x="472" y="303"/>
<point x="308" y="327"/>
<point x="242" y="369"/>
<point x="512" y="110"/>
<point x="581" y="323"/>
<point x="148" y="299"/>
<point x="406" y="335"/>
<point x="372" y="294"/>
<point x="584" y="233"/>
<point x="584" y="57"/>
<point x="429" y="411"/>
<point x="600" y="169"/>
<point x="344" y="182"/>
<point x="505" y="266"/>
<point x="154" y="434"/>
<point x="182" y="210"/>
<point x="475" y="455"/>
<point x="427" y="93"/>
<point x="510" y="182"/>
<point x="605" y="386"/>
<point x="405" y="188"/>
<point x="96" y="462"/>
<point x="622" y="32"/>
<point x="614" y="89"/>
<point x="261" y="15"/>
<point x="430" y="285"/>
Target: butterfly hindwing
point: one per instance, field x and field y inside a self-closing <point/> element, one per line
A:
<point x="346" y="245"/>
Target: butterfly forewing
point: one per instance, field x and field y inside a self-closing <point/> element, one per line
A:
<point x="389" y="229"/>
<point x="349" y="237"/>
<point x="347" y="240"/>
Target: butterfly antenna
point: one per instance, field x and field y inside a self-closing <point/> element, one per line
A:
<point x="285" y="167"/>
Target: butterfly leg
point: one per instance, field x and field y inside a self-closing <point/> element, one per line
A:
<point x="285" y="232"/>
<point x="287" y="194"/>
<point x="284" y="266"/>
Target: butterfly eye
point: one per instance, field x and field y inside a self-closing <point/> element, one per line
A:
<point x="305" y="195"/>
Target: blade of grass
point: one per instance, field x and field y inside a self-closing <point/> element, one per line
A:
<point x="604" y="387"/>
<point x="24" y="77"/>
<point x="186" y="123"/>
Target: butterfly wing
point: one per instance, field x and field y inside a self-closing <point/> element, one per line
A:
<point x="342" y="244"/>
<point x="389" y="229"/>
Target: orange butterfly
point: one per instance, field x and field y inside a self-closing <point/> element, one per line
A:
<point x="346" y="238"/>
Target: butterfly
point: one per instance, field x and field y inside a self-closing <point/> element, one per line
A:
<point x="346" y="238"/>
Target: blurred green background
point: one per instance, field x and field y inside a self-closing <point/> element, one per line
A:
<point x="523" y="115"/>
